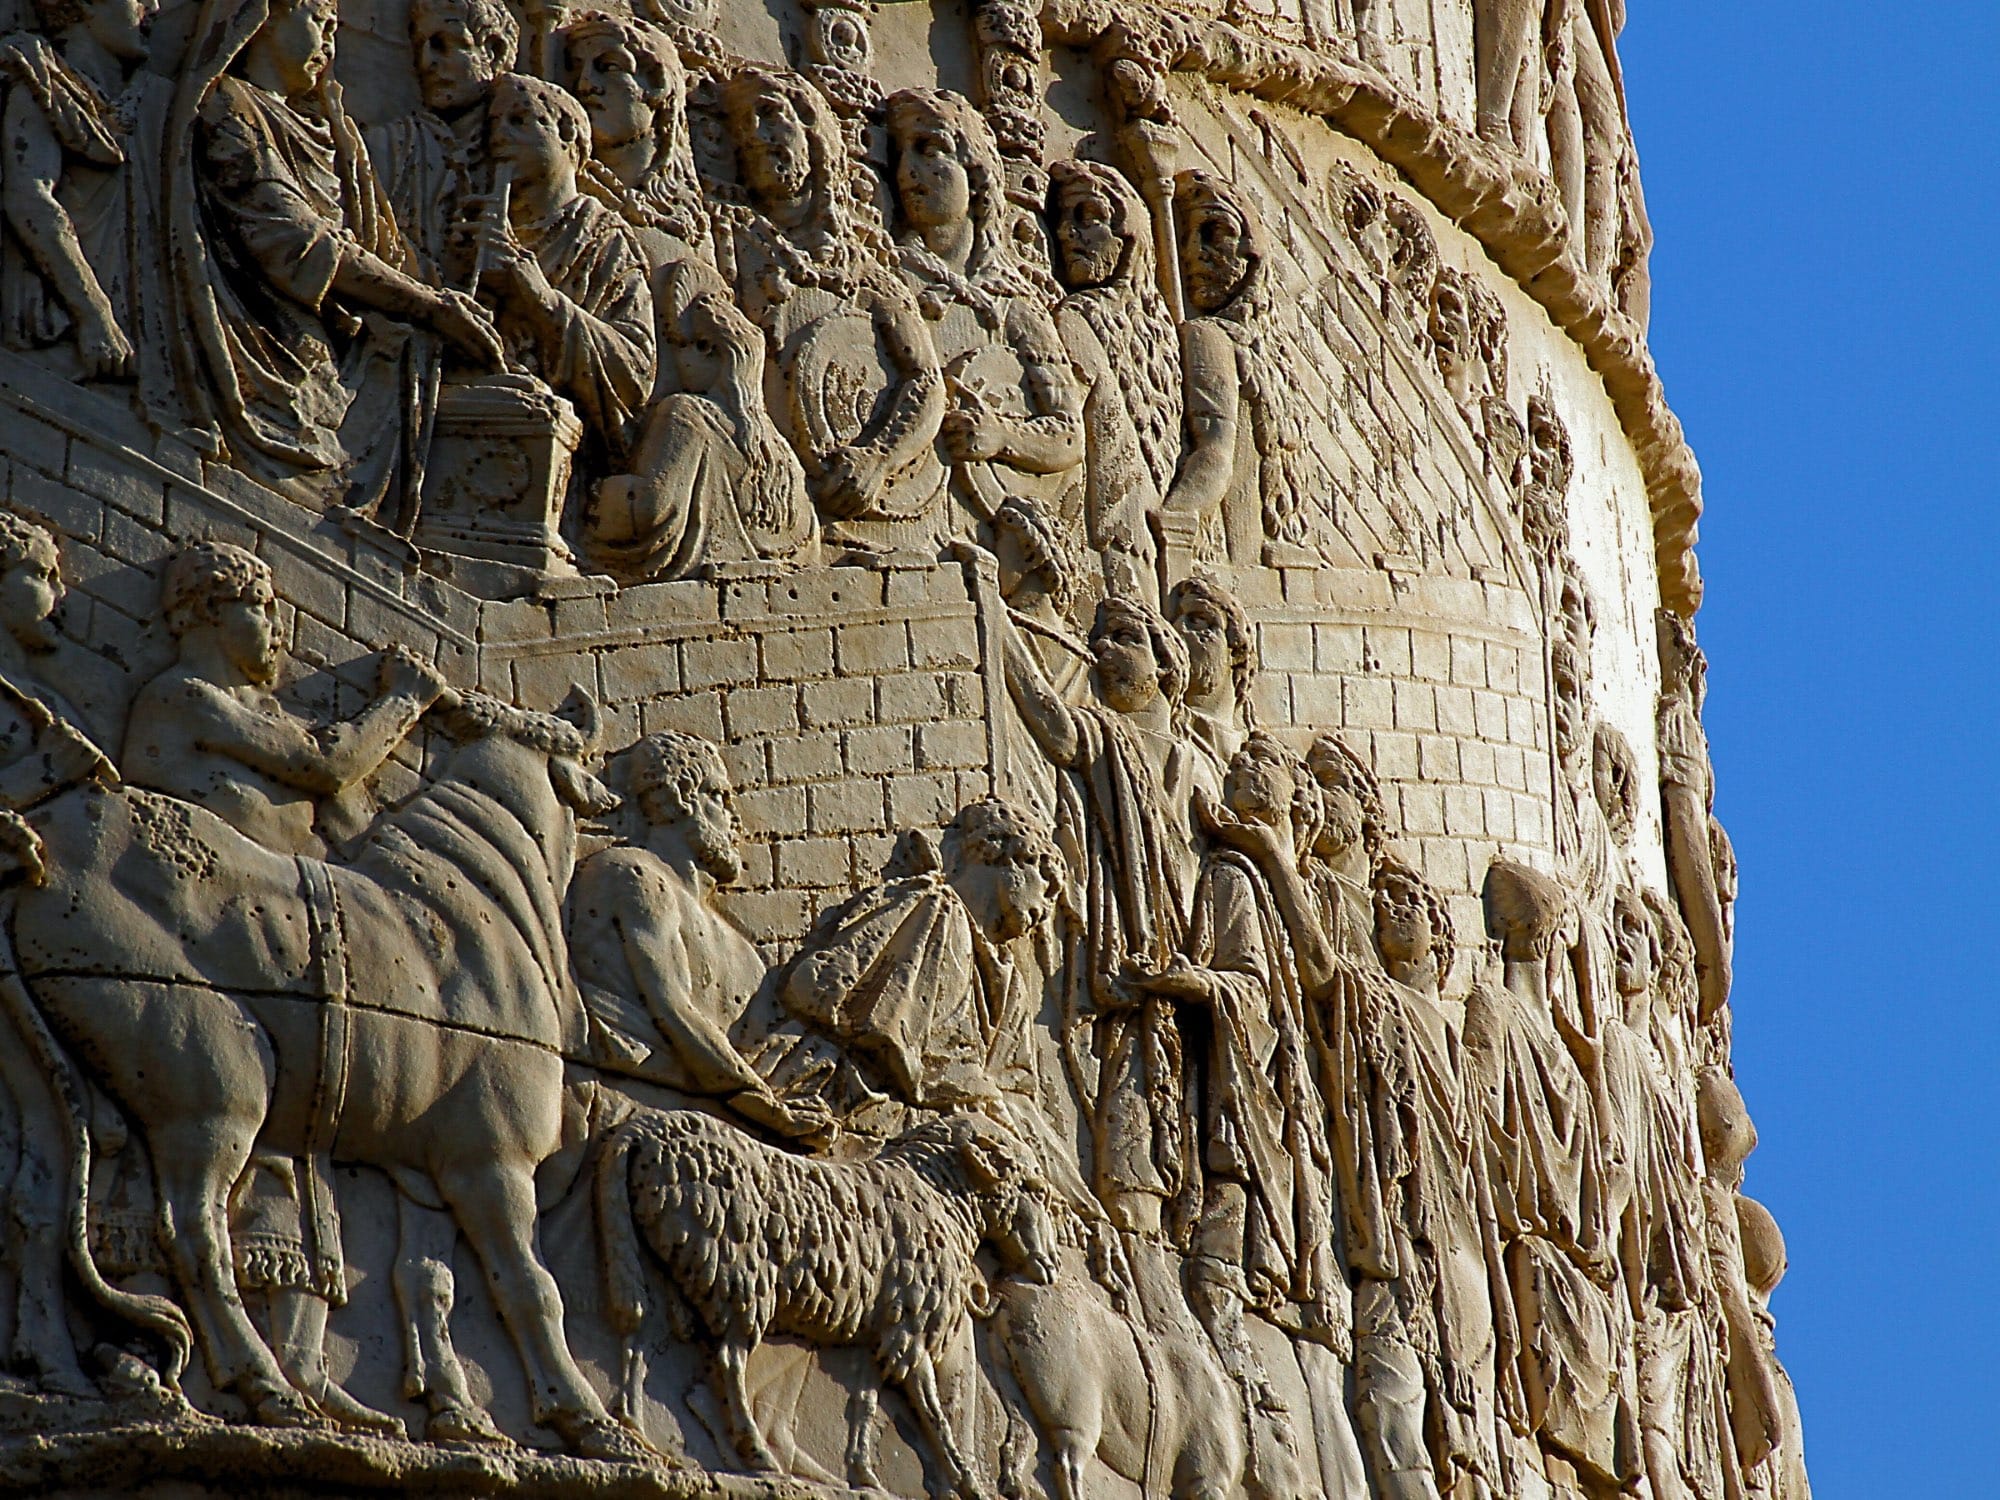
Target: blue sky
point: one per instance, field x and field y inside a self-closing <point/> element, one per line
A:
<point x="1822" y="181"/>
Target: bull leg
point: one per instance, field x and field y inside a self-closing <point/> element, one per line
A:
<point x="922" y="1389"/>
<point x="495" y="1209"/>
<point x="425" y="1292"/>
<point x="730" y="1363"/>
<point x="194" y="1166"/>
<point x="33" y="1239"/>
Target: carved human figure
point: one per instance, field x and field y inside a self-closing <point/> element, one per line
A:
<point x="666" y="976"/>
<point x="1243" y="427"/>
<point x="1014" y="422"/>
<point x="210" y="729"/>
<point x="290" y="268"/>
<point x="1367" y="23"/>
<point x="1417" y="1229"/>
<point x="1588" y="135"/>
<point x="44" y="748"/>
<point x="1782" y="1476"/>
<point x="852" y="361"/>
<point x="915" y="975"/>
<point x="1687" y="799"/>
<point x="1507" y="68"/>
<point x="1568" y="1377"/>
<point x="1121" y="338"/>
<point x="81" y="197"/>
<point x="1222" y="665"/>
<point x="712" y="479"/>
<point x="629" y="76"/>
<point x="1133" y="779"/>
<point x="1263" y="1240"/>
<point x="433" y="163"/>
<point x="565" y="273"/>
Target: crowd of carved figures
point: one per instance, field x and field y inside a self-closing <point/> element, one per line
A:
<point x="1158" y="1108"/>
<point x="611" y="294"/>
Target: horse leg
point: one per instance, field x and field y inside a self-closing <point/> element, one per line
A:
<point x="495" y="1208"/>
<point x="425" y="1292"/>
<point x="195" y="1163"/>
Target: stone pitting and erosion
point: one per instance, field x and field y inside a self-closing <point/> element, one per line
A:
<point x="822" y="747"/>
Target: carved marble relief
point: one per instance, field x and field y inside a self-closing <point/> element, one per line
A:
<point x="864" y="747"/>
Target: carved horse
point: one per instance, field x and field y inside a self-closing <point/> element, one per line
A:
<point x="405" y="1010"/>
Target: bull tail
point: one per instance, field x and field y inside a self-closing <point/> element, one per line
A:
<point x="624" y="1273"/>
<point x="156" y="1315"/>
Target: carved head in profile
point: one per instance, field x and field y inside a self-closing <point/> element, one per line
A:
<point x="629" y="77"/>
<point x="1551" y="460"/>
<point x="785" y="135"/>
<point x="462" y="47"/>
<point x="679" y="782"/>
<point x="1004" y="866"/>
<point x="217" y="594"/>
<point x="1683" y="666"/>
<point x="1137" y="656"/>
<point x="31" y="587"/>
<point x="1266" y="783"/>
<point x="1221" y="646"/>
<point x="1098" y="222"/>
<point x="120" y="27"/>
<point x="1525" y="911"/>
<point x="947" y="167"/>
<point x="1027" y="545"/>
<point x="538" y="129"/>
<point x="1637" y="950"/>
<point x="1221" y="244"/>
<point x="1353" y="799"/>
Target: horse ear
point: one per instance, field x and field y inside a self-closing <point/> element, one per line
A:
<point x="581" y="709"/>
<point x="989" y="1158"/>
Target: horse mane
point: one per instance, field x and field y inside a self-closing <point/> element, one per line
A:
<point x="479" y="716"/>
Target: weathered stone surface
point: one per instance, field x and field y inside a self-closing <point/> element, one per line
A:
<point x="816" y="748"/>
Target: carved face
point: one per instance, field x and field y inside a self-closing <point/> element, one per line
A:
<point x="1403" y="926"/>
<point x="775" y="147"/>
<point x="299" y="42"/>
<point x="455" y="67"/>
<point x="1128" y="674"/>
<point x="841" y="40"/>
<point x="1008" y="899"/>
<point x="1089" y="247"/>
<point x="612" y="88"/>
<point x="1206" y="634"/>
<point x="1258" y="790"/>
<point x="247" y="630"/>
<point x="709" y="825"/>
<point x="29" y="593"/>
<point x="1341" y="830"/>
<point x="932" y="182"/>
<point x="1026" y="1238"/>
<point x="701" y="348"/>
<point x="525" y="132"/>
<point x="1215" y="254"/>
<point x="1635" y="951"/>
<point x="120" y="26"/>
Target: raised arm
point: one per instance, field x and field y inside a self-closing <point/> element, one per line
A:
<point x="1048" y="718"/>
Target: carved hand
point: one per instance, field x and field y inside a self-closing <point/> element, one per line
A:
<point x="852" y="482"/>
<point x="1258" y="840"/>
<point x="1179" y="980"/>
<point x="468" y="325"/>
<point x="72" y="758"/>
<point x="400" y="673"/>
<point x="107" y="353"/>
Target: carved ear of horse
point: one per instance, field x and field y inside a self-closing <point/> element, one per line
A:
<point x="581" y="709"/>
<point x="990" y="1159"/>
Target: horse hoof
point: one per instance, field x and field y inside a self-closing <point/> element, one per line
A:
<point x="611" y="1441"/>
<point x="464" y="1424"/>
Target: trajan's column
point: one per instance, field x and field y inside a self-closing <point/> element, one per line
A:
<point x="813" y="747"/>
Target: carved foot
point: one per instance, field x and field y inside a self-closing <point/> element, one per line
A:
<point x="281" y="1406"/>
<point x="352" y="1415"/>
<point x="464" y="1424"/>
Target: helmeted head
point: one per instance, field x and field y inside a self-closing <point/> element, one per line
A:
<point x="679" y="781"/>
<point x="219" y="588"/>
<point x="1413" y="924"/>
<point x="118" y="26"/>
<point x="629" y="77"/>
<point x="785" y="134"/>
<point x="1525" y="911"/>
<point x="1026" y="542"/>
<point x="1221" y="245"/>
<point x="1353" y="811"/>
<point x="462" y="48"/>
<point x="1098" y="223"/>
<point x="947" y="166"/>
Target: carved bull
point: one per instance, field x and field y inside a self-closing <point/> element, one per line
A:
<point x="405" y="1010"/>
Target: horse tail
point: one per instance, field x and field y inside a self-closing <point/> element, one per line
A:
<point x="156" y="1315"/>
<point x="624" y="1274"/>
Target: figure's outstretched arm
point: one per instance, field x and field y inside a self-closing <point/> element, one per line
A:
<point x="1042" y="709"/>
